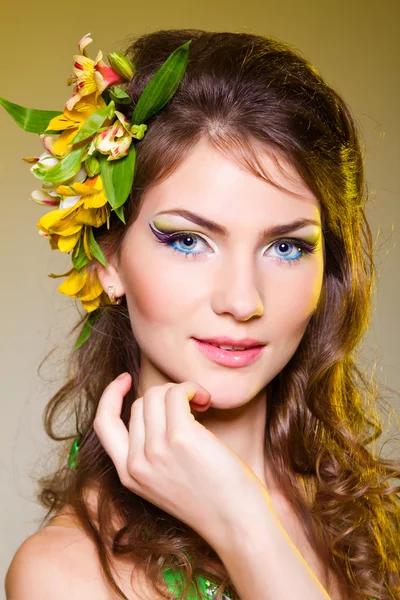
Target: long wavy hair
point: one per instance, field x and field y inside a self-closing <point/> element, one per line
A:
<point x="247" y="94"/>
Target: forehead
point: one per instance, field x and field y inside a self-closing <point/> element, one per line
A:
<point x="218" y="185"/>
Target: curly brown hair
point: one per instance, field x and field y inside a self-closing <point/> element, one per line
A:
<point x="243" y="93"/>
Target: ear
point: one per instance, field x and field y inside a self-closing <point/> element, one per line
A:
<point x="109" y="275"/>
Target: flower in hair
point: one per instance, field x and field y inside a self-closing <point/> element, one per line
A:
<point x="70" y="122"/>
<point x="70" y="224"/>
<point x="87" y="169"/>
<point x="116" y="140"/>
<point x="85" y="286"/>
<point x="91" y="76"/>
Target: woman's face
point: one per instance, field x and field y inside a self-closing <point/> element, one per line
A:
<point x="210" y="284"/>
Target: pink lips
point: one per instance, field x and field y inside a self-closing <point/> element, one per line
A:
<point x="230" y="358"/>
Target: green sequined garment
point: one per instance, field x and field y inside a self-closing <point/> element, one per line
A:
<point x="207" y="587"/>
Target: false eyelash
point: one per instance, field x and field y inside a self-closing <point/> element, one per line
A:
<point x="168" y="238"/>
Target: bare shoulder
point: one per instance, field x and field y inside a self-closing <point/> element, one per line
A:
<point x="56" y="563"/>
<point x="60" y="562"/>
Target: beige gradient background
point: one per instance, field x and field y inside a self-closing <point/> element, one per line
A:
<point x="353" y="43"/>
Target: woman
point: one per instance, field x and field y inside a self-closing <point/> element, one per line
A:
<point x="245" y="226"/>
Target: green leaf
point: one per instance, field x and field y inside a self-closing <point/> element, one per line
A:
<point x="79" y="258"/>
<point x="123" y="176"/>
<point x="30" y="119"/>
<point x="106" y="173"/>
<point x="120" y="213"/>
<point x="162" y="86"/>
<point x="106" y="96"/>
<point x="117" y="177"/>
<point x="64" y="170"/>
<point x="119" y="95"/>
<point x="94" y="122"/>
<point x="87" y="328"/>
<point x="95" y="249"/>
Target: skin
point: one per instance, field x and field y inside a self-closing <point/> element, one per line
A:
<point x="236" y="287"/>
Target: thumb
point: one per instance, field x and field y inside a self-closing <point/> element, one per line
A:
<point x="198" y="396"/>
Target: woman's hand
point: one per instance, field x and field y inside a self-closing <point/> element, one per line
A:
<point x="171" y="460"/>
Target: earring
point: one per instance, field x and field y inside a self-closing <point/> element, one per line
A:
<point x="111" y="295"/>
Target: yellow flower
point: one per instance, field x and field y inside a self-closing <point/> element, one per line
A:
<point x="85" y="286"/>
<point x="71" y="121"/>
<point x="90" y="75"/>
<point x="91" y="191"/>
<point x="65" y="224"/>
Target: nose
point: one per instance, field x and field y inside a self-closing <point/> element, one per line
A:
<point x="236" y="289"/>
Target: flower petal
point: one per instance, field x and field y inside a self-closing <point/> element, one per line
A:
<point x="61" y="146"/>
<point x="86" y="243"/>
<point x="69" y="201"/>
<point x="46" y="161"/>
<point x="91" y="305"/>
<point x="62" y="122"/>
<point x="88" y="104"/>
<point x="48" y="142"/>
<point x="123" y="120"/>
<point x="80" y="176"/>
<point x="43" y="198"/>
<point x="67" y="242"/>
<point x="74" y="283"/>
<point x="72" y="101"/>
<point x="96" y="201"/>
<point x="85" y="41"/>
<point x="120" y="148"/>
<point x="91" y="290"/>
<point x="108" y="75"/>
<point x="83" y="63"/>
<point x="91" y="216"/>
<point x="62" y="221"/>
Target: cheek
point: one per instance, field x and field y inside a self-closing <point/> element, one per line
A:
<point x="156" y="293"/>
<point x="293" y="299"/>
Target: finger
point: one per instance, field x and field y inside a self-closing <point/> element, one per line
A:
<point x="154" y="418"/>
<point x="109" y="426"/>
<point x="177" y="405"/>
<point x="136" y="432"/>
<point x="201" y="398"/>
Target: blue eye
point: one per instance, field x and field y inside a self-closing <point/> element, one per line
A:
<point x="303" y="249"/>
<point x="185" y="242"/>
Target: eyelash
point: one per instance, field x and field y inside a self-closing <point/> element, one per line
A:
<point x="168" y="239"/>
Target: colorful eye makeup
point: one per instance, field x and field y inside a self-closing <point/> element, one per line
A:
<point x="185" y="242"/>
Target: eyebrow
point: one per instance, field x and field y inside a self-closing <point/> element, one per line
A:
<point x="221" y="230"/>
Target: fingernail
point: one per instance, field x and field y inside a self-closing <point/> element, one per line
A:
<point x="122" y="375"/>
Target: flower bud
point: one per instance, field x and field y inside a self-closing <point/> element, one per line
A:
<point x="138" y="131"/>
<point x="121" y="65"/>
<point x="46" y="161"/>
<point x="43" y="198"/>
<point x="92" y="166"/>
